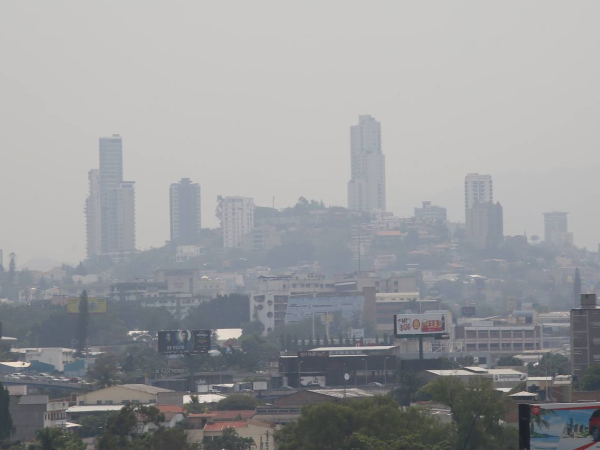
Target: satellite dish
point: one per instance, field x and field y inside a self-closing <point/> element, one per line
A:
<point x="346" y="376"/>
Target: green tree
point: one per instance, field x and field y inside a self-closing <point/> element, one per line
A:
<point x="372" y="423"/>
<point x="57" y="439"/>
<point x="194" y="407"/>
<point x="6" y="423"/>
<point x="120" y="432"/>
<point x="230" y="440"/>
<point x="476" y="413"/>
<point x="590" y="381"/>
<point x="83" y="325"/>
<point x="508" y="360"/>
<point x="410" y="383"/>
<point x="551" y="364"/>
<point x="237" y="401"/>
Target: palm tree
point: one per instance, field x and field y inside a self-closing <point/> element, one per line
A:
<point x="537" y="420"/>
<point x="194" y="407"/>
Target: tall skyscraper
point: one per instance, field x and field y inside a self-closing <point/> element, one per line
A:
<point x="478" y="188"/>
<point x="92" y="214"/>
<point x="237" y="220"/>
<point x="556" y="230"/>
<point x="485" y="226"/>
<point x="110" y="206"/>
<point x="366" y="188"/>
<point x="185" y="206"/>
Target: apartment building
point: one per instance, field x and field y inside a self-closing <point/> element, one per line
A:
<point x="585" y="335"/>
<point x="237" y="220"/>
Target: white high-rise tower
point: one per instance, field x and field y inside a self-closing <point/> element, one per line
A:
<point x="366" y="188"/>
<point x="110" y="206"/>
<point x="478" y="189"/>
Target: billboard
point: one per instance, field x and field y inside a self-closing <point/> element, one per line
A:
<point x="564" y="426"/>
<point x="406" y="325"/>
<point x="95" y="305"/>
<point x="468" y="311"/>
<point x="312" y="381"/>
<point x="180" y="342"/>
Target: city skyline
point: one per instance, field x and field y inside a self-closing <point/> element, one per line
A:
<point x="237" y="130"/>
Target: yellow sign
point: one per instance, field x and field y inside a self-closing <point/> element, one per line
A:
<point x="95" y="305"/>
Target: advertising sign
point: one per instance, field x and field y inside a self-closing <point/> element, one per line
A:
<point x="468" y="311"/>
<point x="564" y="426"/>
<point x="406" y="325"/>
<point x="312" y="381"/>
<point x="95" y="305"/>
<point x="189" y="342"/>
<point x="167" y="373"/>
<point x="501" y="377"/>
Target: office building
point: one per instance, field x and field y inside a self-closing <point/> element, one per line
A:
<point x="92" y="214"/>
<point x="237" y="220"/>
<point x="556" y="228"/>
<point x="110" y="206"/>
<point x="430" y="213"/>
<point x="124" y="201"/>
<point x="366" y="188"/>
<point x="585" y="335"/>
<point x="185" y="207"/>
<point x="478" y="189"/>
<point x="485" y="228"/>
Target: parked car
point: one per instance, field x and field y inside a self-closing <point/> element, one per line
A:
<point x="375" y="383"/>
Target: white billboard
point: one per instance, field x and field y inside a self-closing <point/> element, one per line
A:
<point x="312" y="381"/>
<point x="419" y="324"/>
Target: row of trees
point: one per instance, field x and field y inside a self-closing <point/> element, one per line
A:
<point x="379" y="424"/>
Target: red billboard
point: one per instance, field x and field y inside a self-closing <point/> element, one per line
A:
<point x="419" y="324"/>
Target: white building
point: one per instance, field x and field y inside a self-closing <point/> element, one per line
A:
<point x="237" y="220"/>
<point x="55" y="356"/>
<point x="185" y="209"/>
<point x="92" y="214"/>
<point x="478" y="189"/>
<point x="110" y="206"/>
<point x="366" y="188"/>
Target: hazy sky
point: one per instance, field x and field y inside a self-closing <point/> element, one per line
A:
<point x="256" y="99"/>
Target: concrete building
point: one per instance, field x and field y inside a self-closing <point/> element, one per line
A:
<point x="125" y="393"/>
<point x="110" y="206"/>
<point x="556" y="229"/>
<point x="478" y="189"/>
<point x="498" y="338"/>
<point x="366" y="188"/>
<point x="263" y="237"/>
<point x="124" y="201"/>
<point x="92" y="214"/>
<point x="28" y="413"/>
<point x="326" y="366"/>
<point x="585" y="335"/>
<point x="237" y="220"/>
<point x="56" y="357"/>
<point x="485" y="227"/>
<point x="185" y="209"/>
<point x="430" y="213"/>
